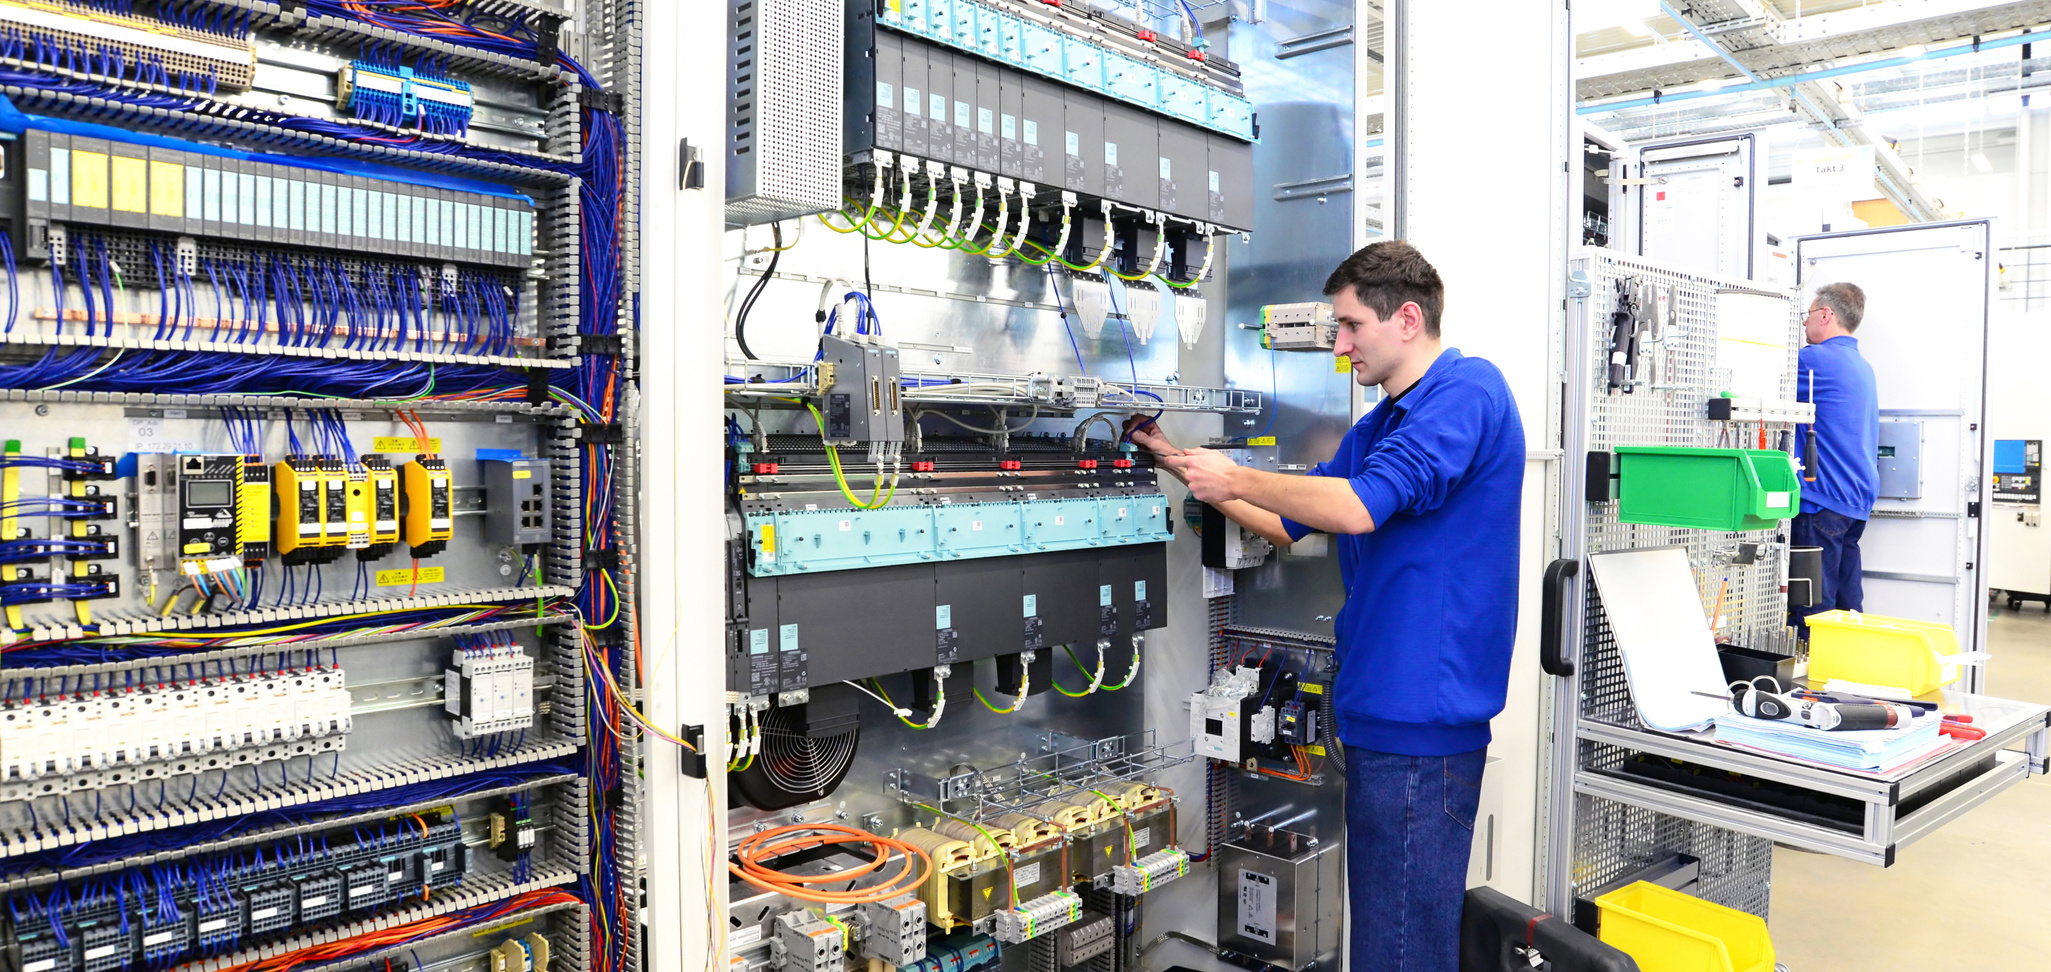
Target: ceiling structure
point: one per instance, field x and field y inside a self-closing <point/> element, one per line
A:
<point x="1662" y="67"/>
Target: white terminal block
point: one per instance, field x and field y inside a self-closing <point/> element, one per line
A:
<point x="1149" y="872"/>
<point x="127" y="727"/>
<point x="489" y="690"/>
<point x="1037" y="917"/>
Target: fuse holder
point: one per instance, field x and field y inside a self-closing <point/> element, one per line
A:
<point x="1086" y="464"/>
<point x="1121" y="464"/>
<point x="1148" y="35"/>
<point x="922" y="465"/>
<point x="1196" y="55"/>
<point x="764" y="469"/>
<point x="1009" y="464"/>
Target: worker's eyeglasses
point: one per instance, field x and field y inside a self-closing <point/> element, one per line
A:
<point x="1813" y="310"/>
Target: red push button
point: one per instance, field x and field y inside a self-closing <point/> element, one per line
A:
<point x="1121" y="464"/>
<point x="922" y="465"/>
<point x="1147" y="35"/>
<point x="765" y="469"/>
<point x="1196" y="55"/>
<point x="1086" y="464"/>
<point x="1009" y="464"/>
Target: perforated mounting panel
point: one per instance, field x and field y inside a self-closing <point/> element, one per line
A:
<point x="1611" y="839"/>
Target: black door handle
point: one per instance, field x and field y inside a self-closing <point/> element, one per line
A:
<point x="1552" y="655"/>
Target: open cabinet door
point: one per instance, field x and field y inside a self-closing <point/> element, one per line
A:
<point x="1928" y="293"/>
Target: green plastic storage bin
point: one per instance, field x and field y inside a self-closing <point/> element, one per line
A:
<point x="1710" y="489"/>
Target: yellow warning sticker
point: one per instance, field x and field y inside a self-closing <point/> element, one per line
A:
<point x="1261" y="440"/>
<point x="167" y="189"/>
<point x="1314" y="749"/>
<point x="404" y="443"/>
<point x="523" y="474"/>
<point x="1341" y="364"/>
<point x="403" y="577"/>
<point x="1311" y="687"/>
<point x="131" y="184"/>
<point x="89" y="179"/>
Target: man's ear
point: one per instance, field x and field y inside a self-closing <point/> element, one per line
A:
<point x="1412" y="319"/>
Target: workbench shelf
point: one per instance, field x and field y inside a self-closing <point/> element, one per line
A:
<point x="1856" y="815"/>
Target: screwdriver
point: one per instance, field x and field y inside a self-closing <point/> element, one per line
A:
<point x="1826" y="716"/>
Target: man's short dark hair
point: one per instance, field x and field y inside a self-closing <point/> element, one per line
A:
<point x="1845" y="300"/>
<point x="1389" y="274"/>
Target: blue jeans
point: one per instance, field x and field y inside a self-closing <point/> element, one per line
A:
<point x="1838" y="536"/>
<point x="1409" y="833"/>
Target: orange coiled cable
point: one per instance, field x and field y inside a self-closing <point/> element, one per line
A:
<point x="797" y="837"/>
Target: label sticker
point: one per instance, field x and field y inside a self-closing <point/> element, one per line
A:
<point x="961" y="114"/>
<point x="152" y="941"/>
<point x="1261" y="440"/>
<point x="847" y="526"/>
<point x="1008" y="128"/>
<point x="262" y="913"/>
<point x="758" y="641"/>
<point x="1032" y="605"/>
<point x="986" y="120"/>
<point x="1214" y="180"/>
<point x="404" y="443"/>
<point x="105" y="950"/>
<point x="1110" y="153"/>
<point x="1311" y="687"/>
<point x="1341" y="364"/>
<point x="913" y="103"/>
<point x="1256" y="906"/>
<point x="1166" y="171"/>
<point x="1030" y="132"/>
<point x="745" y="936"/>
<point x="787" y="637"/>
<point x="405" y="577"/>
<point x="936" y="105"/>
<point x="1074" y="143"/>
<point x="313" y="902"/>
<point x="1777" y="500"/>
<point x="1027" y="875"/>
<point x="212" y="926"/>
<point x="1139" y="590"/>
<point x="1104" y="595"/>
<point x="886" y="93"/>
<point x="976" y="526"/>
<point x="1142" y="838"/>
<point x="943" y="616"/>
<point x="148" y="435"/>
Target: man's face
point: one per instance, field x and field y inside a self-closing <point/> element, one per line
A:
<point x="1816" y="324"/>
<point x="1373" y="344"/>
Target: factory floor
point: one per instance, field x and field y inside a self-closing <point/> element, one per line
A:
<point x="1955" y="899"/>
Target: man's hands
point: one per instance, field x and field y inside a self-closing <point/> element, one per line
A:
<point x="1207" y="474"/>
<point x="1142" y="431"/>
<point x="1211" y="476"/>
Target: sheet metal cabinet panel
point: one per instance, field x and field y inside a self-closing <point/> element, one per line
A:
<point x="964" y="109"/>
<point x="843" y="634"/>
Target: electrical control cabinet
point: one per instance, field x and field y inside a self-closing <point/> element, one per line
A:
<point x="282" y="644"/>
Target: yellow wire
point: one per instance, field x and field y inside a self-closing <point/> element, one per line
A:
<point x="878" y="685"/>
<point x="833" y="459"/>
<point x="986" y="704"/>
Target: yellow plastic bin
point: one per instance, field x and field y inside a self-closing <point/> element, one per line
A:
<point x="1876" y="650"/>
<point x="1667" y="931"/>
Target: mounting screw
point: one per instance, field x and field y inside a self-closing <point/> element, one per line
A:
<point x="42" y="410"/>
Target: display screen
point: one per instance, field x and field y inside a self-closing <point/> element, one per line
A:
<point x="211" y="493"/>
<point x="2008" y="456"/>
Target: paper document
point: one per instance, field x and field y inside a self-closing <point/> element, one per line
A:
<point x="1669" y="654"/>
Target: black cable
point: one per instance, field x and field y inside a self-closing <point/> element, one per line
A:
<point x="868" y="285"/>
<point x="741" y="322"/>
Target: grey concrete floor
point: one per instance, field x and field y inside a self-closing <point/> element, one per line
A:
<point x="1970" y="896"/>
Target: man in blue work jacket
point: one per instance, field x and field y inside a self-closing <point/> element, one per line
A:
<point x="1839" y="500"/>
<point x="1424" y="496"/>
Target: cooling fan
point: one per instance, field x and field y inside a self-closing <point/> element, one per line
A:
<point x="807" y="750"/>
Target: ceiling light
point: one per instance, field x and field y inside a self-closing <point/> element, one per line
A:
<point x="1980" y="162"/>
<point x="1715" y="84"/>
<point x="1914" y="51"/>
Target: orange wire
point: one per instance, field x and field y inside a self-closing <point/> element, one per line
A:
<point x="795" y="837"/>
